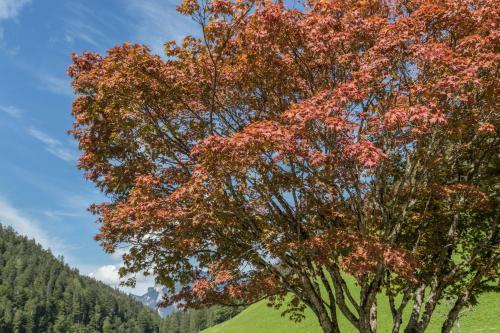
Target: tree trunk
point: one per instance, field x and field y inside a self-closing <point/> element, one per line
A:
<point x="430" y="306"/>
<point x="397" y="324"/>
<point x="373" y="317"/>
<point x="411" y="327"/>
<point x="451" y="319"/>
<point x="327" y="326"/>
<point x="397" y="313"/>
<point x="315" y="301"/>
<point x="368" y="319"/>
<point x="459" y="304"/>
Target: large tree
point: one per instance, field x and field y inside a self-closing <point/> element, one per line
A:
<point x="287" y="149"/>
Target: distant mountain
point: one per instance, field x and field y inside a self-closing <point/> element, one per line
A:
<point x="39" y="293"/>
<point x="154" y="296"/>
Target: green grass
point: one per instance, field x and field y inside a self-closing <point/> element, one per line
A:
<point x="259" y="318"/>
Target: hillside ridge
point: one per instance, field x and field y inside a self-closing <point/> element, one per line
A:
<point x="40" y="293"/>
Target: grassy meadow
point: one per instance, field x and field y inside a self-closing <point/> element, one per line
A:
<point x="259" y="318"/>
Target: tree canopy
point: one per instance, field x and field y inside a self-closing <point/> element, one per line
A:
<point x="287" y="146"/>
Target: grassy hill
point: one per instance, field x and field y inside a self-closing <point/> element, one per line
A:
<point x="259" y="318"/>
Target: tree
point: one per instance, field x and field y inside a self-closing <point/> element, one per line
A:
<point x="19" y="322"/>
<point x="145" y="323"/>
<point x="107" y="326"/>
<point x="197" y="321"/>
<point x="288" y="147"/>
<point x="61" y="324"/>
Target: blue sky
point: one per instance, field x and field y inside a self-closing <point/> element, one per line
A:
<point x="42" y="194"/>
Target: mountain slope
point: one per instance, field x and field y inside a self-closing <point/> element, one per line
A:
<point x="195" y="320"/>
<point x="39" y="293"/>
<point x="259" y="318"/>
<point x="152" y="297"/>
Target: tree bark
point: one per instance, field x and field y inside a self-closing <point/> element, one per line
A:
<point x="368" y="320"/>
<point x="373" y="317"/>
<point x="459" y="304"/>
<point x="368" y="317"/>
<point x="397" y="313"/>
<point x="411" y="327"/>
<point x="340" y="299"/>
<point x="430" y="306"/>
<point x="452" y="317"/>
<point x="327" y="324"/>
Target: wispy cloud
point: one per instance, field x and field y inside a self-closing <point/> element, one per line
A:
<point x="11" y="216"/>
<point x="10" y="8"/>
<point x="157" y="21"/>
<point x="57" y="214"/>
<point x="78" y="29"/>
<point x="53" y="146"/>
<point x="54" y="84"/>
<point x="54" y="81"/>
<point x="83" y="24"/>
<point x="11" y="111"/>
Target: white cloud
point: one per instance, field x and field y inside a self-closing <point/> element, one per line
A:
<point x="24" y="225"/>
<point x="11" y="8"/>
<point x="53" y="146"/>
<point x="10" y="110"/>
<point x="118" y="254"/>
<point x="157" y="21"/>
<point x="109" y="275"/>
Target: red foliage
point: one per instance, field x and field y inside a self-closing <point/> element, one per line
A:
<point x="287" y="144"/>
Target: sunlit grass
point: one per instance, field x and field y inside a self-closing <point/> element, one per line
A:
<point x="259" y="318"/>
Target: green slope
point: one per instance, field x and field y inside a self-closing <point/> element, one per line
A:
<point x="259" y="318"/>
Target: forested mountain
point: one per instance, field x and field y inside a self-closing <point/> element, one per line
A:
<point x="196" y="320"/>
<point x="190" y="321"/>
<point x="39" y="293"/>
